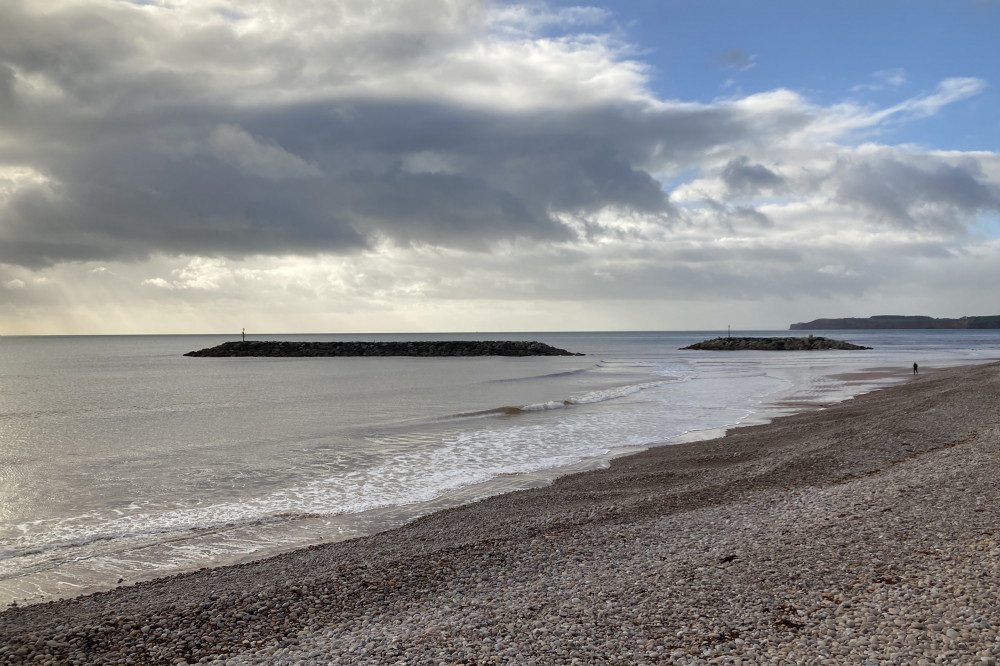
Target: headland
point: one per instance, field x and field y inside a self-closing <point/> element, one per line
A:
<point x="880" y="322"/>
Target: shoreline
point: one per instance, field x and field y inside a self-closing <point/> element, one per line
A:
<point x="229" y="544"/>
<point x="663" y="552"/>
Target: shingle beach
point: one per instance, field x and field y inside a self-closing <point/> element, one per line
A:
<point x="863" y="533"/>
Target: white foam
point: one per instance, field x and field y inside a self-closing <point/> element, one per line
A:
<point x="539" y="407"/>
<point x="615" y="393"/>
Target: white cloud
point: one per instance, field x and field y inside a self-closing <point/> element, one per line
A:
<point x="948" y="91"/>
<point x="885" y="79"/>
<point x="158" y="282"/>
<point x="527" y="20"/>
<point x="16" y="178"/>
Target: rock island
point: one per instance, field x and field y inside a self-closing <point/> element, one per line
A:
<point x="773" y="344"/>
<point x="425" y="348"/>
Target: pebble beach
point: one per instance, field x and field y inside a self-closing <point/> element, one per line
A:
<point x="865" y="532"/>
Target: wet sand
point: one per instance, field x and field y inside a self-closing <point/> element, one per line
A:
<point x="863" y="531"/>
<point x="876" y="373"/>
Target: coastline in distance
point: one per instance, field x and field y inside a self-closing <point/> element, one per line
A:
<point x="897" y="322"/>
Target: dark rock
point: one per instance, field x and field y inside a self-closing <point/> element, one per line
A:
<point x="429" y="348"/>
<point x="773" y="344"/>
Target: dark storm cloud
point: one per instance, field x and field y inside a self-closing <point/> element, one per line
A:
<point x="917" y="192"/>
<point x="142" y="138"/>
<point x="449" y="210"/>
<point x="297" y="179"/>
<point x="742" y="177"/>
<point x="307" y="182"/>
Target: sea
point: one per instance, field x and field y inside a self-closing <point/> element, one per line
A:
<point x="122" y="460"/>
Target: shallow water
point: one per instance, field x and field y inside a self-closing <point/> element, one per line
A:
<point x="121" y="458"/>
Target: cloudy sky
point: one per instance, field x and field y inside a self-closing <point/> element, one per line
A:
<point x="186" y="166"/>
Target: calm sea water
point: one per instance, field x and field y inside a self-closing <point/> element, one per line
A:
<point x="122" y="459"/>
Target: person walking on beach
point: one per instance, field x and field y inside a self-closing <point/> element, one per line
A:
<point x="915" y="369"/>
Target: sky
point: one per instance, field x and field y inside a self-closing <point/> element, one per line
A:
<point x="347" y="166"/>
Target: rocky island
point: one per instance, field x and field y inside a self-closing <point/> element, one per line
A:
<point x="426" y="348"/>
<point x="773" y="344"/>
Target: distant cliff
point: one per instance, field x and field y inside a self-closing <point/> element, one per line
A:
<point x="895" y="321"/>
<point x="424" y="348"/>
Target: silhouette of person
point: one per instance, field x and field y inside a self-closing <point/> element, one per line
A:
<point x="915" y="371"/>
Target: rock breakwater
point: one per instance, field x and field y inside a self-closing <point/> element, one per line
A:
<point x="773" y="344"/>
<point x="423" y="348"/>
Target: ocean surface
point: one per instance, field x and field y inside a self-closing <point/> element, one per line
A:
<point x="123" y="460"/>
